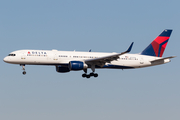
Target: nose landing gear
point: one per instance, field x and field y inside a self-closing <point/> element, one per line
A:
<point x="23" y="68"/>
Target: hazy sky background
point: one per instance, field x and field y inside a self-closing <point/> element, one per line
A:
<point x="104" y="26"/>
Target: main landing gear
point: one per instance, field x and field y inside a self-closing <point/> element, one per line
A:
<point x="23" y="68"/>
<point x="91" y="74"/>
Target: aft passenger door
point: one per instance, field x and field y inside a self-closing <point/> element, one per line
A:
<point x="141" y="60"/>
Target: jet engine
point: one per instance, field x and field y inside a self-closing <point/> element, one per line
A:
<point x="62" y="69"/>
<point x="77" y="65"/>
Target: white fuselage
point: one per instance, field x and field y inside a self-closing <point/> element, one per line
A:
<point x="54" y="57"/>
<point x="66" y="61"/>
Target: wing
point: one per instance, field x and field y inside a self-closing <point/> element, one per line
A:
<point x="107" y="59"/>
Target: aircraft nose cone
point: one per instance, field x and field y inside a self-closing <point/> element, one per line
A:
<point x="5" y="59"/>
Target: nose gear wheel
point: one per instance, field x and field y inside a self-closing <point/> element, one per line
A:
<point x="23" y="68"/>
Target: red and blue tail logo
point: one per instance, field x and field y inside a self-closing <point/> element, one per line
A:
<point x="157" y="47"/>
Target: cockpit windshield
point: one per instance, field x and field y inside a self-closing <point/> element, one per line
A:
<point x="12" y="55"/>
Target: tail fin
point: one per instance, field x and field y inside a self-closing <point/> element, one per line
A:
<point x="157" y="47"/>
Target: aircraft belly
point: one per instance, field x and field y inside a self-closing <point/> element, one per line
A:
<point x="119" y="65"/>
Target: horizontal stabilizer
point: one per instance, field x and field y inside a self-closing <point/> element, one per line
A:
<point x="162" y="59"/>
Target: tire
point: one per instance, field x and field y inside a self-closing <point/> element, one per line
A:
<point x="95" y="75"/>
<point x="91" y="74"/>
<point x="84" y="75"/>
<point x="88" y="76"/>
<point x="24" y="72"/>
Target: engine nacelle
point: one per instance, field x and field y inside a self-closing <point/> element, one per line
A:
<point x="77" y="65"/>
<point x="62" y="69"/>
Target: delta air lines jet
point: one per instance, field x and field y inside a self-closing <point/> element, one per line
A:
<point x="66" y="61"/>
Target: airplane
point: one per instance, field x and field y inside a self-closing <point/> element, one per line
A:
<point x="66" y="61"/>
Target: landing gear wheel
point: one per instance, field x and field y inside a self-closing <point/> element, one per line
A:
<point x="84" y="75"/>
<point x="24" y="72"/>
<point x="88" y="76"/>
<point x="95" y="75"/>
<point x="91" y="74"/>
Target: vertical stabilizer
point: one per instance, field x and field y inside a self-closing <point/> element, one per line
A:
<point x="157" y="47"/>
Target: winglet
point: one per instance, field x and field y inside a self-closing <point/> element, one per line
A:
<point x="130" y="47"/>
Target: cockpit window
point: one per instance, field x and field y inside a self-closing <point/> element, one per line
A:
<point x="12" y="55"/>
